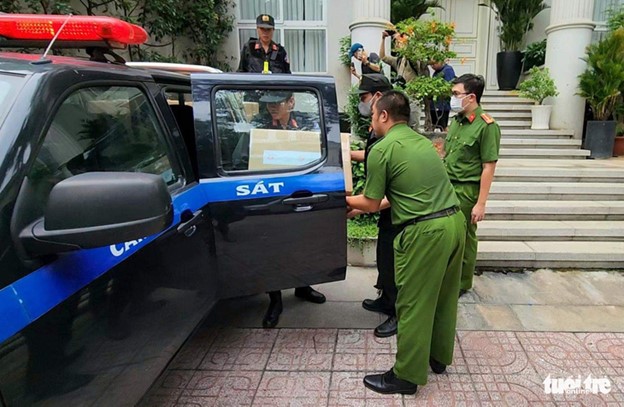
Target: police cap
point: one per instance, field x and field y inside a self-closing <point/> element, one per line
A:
<point x="373" y="82"/>
<point x="275" y="96"/>
<point x="265" y="21"/>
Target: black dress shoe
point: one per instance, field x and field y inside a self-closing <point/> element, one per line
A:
<point x="462" y="292"/>
<point x="271" y="318"/>
<point x="387" y="328"/>
<point x="388" y="383"/>
<point x="310" y="294"/>
<point x="377" y="305"/>
<point x="437" y="367"/>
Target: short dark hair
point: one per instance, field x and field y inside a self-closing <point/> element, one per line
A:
<point x="472" y="84"/>
<point x="396" y="103"/>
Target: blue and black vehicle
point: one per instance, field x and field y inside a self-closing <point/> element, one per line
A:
<point x="133" y="199"/>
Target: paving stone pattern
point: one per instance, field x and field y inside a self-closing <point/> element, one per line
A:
<point x="513" y="331"/>
<point x="325" y="367"/>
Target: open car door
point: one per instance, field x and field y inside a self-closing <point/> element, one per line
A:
<point x="270" y="164"/>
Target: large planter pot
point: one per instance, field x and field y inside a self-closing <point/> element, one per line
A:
<point x="362" y="252"/>
<point x="540" y="117"/>
<point x="508" y="69"/>
<point x="618" y="146"/>
<point x="599" y="138"/>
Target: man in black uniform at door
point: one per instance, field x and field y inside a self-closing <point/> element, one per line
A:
<point x="262" y="55"/>
<point x="370" y="89"/>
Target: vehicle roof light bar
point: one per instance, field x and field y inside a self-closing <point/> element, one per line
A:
<point x="38" y="30"/>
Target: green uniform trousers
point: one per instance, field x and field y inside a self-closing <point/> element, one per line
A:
<point x="468" y="194"/>
<point x="428" y="258"/>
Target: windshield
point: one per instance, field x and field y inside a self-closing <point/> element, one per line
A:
<point x="9" y="87"/>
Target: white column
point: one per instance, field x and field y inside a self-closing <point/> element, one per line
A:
<point x="371" y="18"/>
<point x="569" y="33"/>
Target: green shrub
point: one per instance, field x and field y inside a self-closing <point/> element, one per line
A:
<point x="345" y="45"/>
<point x="187" y="31"/>
<point x="538" y="86"/>
<point x="615" y="18"/>
<point x="534" y="55"/>
<point x="361" y="230"/>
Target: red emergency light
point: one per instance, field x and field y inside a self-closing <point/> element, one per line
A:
<point x="38" y="29"/>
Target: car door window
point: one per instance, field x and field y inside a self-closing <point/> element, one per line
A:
<point x="264" y="131"/>
<point x="109" y="128"/>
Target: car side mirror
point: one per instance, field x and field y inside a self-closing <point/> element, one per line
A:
<point x="99" y="209"/>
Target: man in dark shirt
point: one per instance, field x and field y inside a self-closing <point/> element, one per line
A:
<point x="371" y="88"/>
<point x="262" y="55"/>
<point x="441" y="108"/>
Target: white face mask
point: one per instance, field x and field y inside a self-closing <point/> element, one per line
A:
<point x="457" y="104"/>
<point x="366" y="108"/>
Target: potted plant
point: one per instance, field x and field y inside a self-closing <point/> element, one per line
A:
<point x="601" y="85"/>
<point x="538" y="87"/>
<point x="615" y="21"/>
<point x="515" y="19"/>
<point x="618" y="143"/>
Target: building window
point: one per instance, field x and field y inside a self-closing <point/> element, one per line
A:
<point x="300" y="26"/>
<point x="601" y="9"/>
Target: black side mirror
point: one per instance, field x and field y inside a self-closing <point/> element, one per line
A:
<point x="99" y="209"/>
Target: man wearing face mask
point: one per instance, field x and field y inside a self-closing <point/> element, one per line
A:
<point x="472" y="146"/>
<point x="371" y="88"/>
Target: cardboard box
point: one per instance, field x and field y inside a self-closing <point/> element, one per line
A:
<point x="275" y="149"/>
<point x="345" y="143"/>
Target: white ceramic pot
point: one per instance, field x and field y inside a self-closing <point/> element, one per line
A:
<point x="540" y="117"/>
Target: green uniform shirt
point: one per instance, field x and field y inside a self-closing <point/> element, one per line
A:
<point x="470" y="142"/>
<point x="405" y="167"/>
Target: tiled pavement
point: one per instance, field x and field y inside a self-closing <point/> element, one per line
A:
<point x="231" y="364"/>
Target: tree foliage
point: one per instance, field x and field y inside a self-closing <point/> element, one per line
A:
<point x="423" y="42"/>
<point x="180" y="31"/>
<point x="403" y="9"/>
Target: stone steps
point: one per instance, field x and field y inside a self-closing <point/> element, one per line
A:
<point x="550" y="230"/>
<point x="558" y="175"/>
<point x="549" y="206"/>
<point x="488" y="100"/>
<point x="553" y="153"/>
<point x="556" y="191"/>
<point x="516" y="115"/>
<point x="549" y="143"/>
<point x="502" y="107"/>
<point x="539" y="134"/>
<point x="510" y="210"/>
<point x="549" y="254"/>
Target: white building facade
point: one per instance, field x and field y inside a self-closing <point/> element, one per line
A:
<point x="311" y="31"/>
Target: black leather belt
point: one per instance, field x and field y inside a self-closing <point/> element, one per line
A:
<point x="466" y="182"/>
<point x="439" y="214"/>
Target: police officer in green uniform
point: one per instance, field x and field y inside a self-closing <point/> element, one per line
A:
<point x="262" y="55"/>
<point x="404" y="167"/>
<point x="471" y="147"/>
